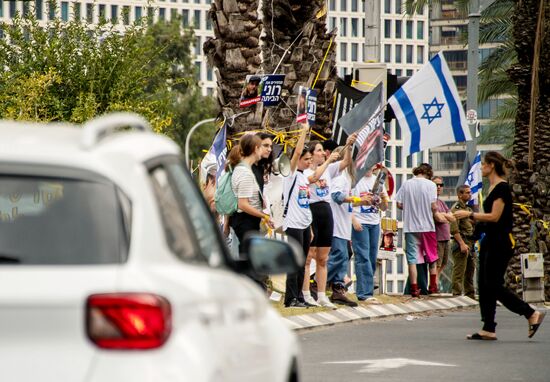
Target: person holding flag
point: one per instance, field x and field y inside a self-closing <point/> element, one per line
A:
<point x="475" y="181"/>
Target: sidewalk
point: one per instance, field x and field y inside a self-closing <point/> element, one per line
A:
<point x="367" y="312"/>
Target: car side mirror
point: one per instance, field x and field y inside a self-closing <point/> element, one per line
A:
<point x="270" y="257"/>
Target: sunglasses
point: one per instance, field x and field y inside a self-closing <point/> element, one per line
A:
<point x="440" y="184"/>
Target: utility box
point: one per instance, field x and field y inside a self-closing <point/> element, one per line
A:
<point x="532" y="270"/>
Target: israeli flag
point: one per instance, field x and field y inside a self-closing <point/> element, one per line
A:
<point x="428" y="108"/>
<point x="474" y="180"/>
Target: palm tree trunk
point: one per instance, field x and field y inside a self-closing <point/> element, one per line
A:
<point x="531" y="184"/>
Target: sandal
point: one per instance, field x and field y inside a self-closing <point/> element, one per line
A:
<point x="477" y="336"/>
<point x="534" y="327"/>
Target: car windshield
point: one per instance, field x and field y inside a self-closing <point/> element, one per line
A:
<point x="60" y="221"/>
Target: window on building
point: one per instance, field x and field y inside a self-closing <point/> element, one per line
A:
<point x="13" y="9"/>
<point x="114" y="14"/>
<point x="420" y="30"/>
<point x="331" y="23"/>
<point x="398" y="25"/>
<point x="420" y="54"/>
<point x="208" y="23"/>
<point x="343" y="26"/>
<point x="51" y="10"/>
<point x="387" y="156"/>
<point x="397" y="125"/>
<point x="343" y="51"/>
<point x="198" y="45"/>
<point x="354" y="7"/>
<point x="162" y="14"/>
<point x="89" y="12"/>
<point x="210" y="92"/>
<point x="150" y="15"/>
<point x="387" y="6"/>
<point x="398" y="7"/>
<point x="64" y="11"/>
<point x="197" y="1"/>
<point x="26" y="9"/>
<point x="387" y="28"/>
<point x="185" y="18"/>
<point x="400" y="286"/>
<point x="398" y="156"/>
<point x="354" y="52"/>
<point x="400" y="266"/>
<point x="389" y="267"/>
<point x="173" y="13"/>
<point x="197" y="19"/>
<point x="409" y="54"/>
<point x="209" y="74"/>
<point x="409" y="29"/>
<point x="398" y="72"/>
<point x="354" y="27"/>
<point x="398" y="181"/>
<point x="39" y="9"/>
<point x="409" y="161"/>
<point x="387" y="53"/>
<point x="389" y="286"/>
<point x="126" y="15"/>
<point x="137" y="13"/>
<point x="343" y="5"/>
<point x="409" y="72"/>
<point x="332" y="5"/>
<point x="198" y="70"/>
<point x="398" y="51"/>
<point x="102" y="13"/>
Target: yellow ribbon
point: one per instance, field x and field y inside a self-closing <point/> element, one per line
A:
<point x="319" y="135"/>
<point x="353" y="82"/>
<point x="527" y="209"/>
<point x="322" y="64"/>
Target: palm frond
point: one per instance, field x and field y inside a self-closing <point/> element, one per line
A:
<point x="498" y="85"/>
<point x="495" y="30"/>
<point x="501" y="58"/>
<point x="498" y="8"/>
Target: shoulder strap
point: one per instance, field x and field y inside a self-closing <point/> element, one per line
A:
<point x="289" y="195"/>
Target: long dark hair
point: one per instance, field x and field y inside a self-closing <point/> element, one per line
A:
<point x="502" y="165"/>
<point x="266" y="163"/>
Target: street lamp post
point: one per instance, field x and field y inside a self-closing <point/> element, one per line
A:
<point x="188" y="138"/>
<point x="473" y="69"/>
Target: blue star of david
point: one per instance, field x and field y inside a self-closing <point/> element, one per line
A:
<point x="428" y="106"/>
<point x="471" y="178"/>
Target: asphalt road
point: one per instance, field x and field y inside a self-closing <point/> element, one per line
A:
<point x="427" y="348"/>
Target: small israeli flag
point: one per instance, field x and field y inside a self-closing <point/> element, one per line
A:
<point x="429" y="110"/>
<point x="474" y="180"/>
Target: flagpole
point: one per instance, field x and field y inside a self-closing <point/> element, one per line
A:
<point x="188" y="138"/>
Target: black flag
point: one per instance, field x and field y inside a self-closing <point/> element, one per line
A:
<point x="345" y="99"/>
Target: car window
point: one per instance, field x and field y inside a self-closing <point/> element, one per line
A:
<point x="204" y="226"/>
<point x="176" y="228"/>
<point x="60" y="221"/>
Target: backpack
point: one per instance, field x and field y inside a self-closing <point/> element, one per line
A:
<point x="224" y="197"/>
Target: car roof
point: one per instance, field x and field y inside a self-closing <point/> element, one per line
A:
<point x="81" y="145"/>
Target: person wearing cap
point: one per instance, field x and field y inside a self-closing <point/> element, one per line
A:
<point x="366" y="234"/>
<point x="417" y="198"/>
<point x="251" y="88"/>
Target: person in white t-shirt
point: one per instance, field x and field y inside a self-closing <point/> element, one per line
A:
<point x="366" y="235"/>
<point x="297" y="215"/>
<point x="417" y="198"/>
<point x="320" y="175"/>
<point x="338" y="259"/>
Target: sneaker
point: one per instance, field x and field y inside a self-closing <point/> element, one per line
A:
<point x="433" y="290"/>
<point x="325" y="302"/>
<point x="372" y="300"/>
<point x="415" y="292"/>
<point x="310" y="301"/>
<point x="294" y="303"/>
<point x="339" y="296"/>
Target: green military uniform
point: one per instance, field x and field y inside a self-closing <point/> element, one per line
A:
<point x="464" y="264"/>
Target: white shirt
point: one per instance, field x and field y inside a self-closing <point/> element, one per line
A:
<point x="417" y="195"/>
<point x="341" y="213"/>
<point x="299" y="214"/>
<point x="366" y="214"/>
<point x="320" y="190"/>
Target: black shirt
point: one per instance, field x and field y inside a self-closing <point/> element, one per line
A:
<point x="504" y="224"/>
<point x="259" y="174"/>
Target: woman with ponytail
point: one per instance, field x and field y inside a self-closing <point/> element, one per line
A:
<point x="497" y="248"/>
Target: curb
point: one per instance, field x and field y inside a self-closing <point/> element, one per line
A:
<point x="348" y="314"/>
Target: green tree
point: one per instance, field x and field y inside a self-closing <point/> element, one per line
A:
<point x="72" y="71"/>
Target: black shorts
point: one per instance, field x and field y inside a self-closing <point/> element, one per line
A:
<point x="322" y="225"/>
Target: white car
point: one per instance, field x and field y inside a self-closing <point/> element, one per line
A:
<point x="112" y="269"/>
